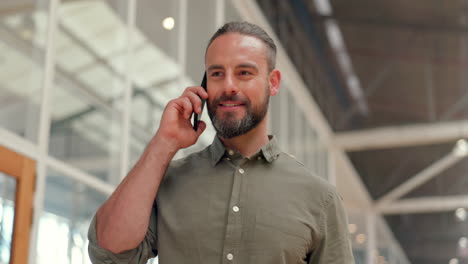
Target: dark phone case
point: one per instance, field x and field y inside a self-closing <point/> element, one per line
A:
<point x="196" y="117"/>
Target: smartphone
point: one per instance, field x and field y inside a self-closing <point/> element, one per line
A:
<point x="196" y="117"/>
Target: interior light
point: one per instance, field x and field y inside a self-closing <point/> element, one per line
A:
<point x="463" y="242"/>
<point x="361" y="238"/>
<point x="460" y="214"/>
<point x="453" y="261"/>
<point x="352" y="228"/>
<point x="336" y="38"/>
<point x="323" y="7"/>
<point x="168" y="23"/>
<point x="461" y="148"/>
<point x="354" y="86"/>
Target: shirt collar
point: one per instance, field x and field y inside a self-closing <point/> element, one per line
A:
<point x="270" y="151"/>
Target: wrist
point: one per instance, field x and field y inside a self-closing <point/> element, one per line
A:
<point x="167" y="145"/>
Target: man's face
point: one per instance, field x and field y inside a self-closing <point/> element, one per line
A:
<point x="238" y="84"/>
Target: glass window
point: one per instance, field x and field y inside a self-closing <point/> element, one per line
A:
<point x="68" y="209"/>
<point x="91" y="46"/>
<point x="231" y="13"/>
<point x="274" y="115"/>
<point x="358" y="234"/>
<point x="388" y="249"/>
<point x="324" y="160"/>
<point x="156" y="75"/>
<point x="283" y="121"/>
<point x="308" y="146"/>
<point x="23" y="34"/>
<point x="299" y="136"/>
<point x="199" y="31"/>
<point x="7" y="214"/>
<point x="292" y="122"/>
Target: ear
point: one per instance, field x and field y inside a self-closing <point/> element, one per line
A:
<point x="274" y="80"/>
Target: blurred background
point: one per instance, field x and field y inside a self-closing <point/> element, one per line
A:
<point x="374" y="99"/>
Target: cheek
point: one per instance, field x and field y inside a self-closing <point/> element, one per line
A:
<point x="254" y="89"/>
<point x="211" y="95"/>
<point x="258" y="92"/>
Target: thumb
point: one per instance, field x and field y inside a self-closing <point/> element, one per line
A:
<point x="201" y="127"/>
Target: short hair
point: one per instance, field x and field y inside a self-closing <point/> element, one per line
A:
<point x="249" y="29"/>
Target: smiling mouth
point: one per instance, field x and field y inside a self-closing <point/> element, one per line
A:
<point x="230" y="105"/>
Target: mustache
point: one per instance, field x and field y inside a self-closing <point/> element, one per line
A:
<point x="235" y="97"/>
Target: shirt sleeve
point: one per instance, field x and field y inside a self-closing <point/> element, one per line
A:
<point x="139" y="255"/>
<point x="335" y="244"/>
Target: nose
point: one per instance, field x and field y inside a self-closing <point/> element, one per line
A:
<point x="230" y="85"/>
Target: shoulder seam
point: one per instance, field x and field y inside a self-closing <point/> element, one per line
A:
<point x="293" y="158"/>
<point x="325" y="204"/>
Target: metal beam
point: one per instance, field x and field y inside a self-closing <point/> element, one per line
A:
<point x="82" y="113"/>
<point x="425" y="205"/>
<point x="382" y="24"/>
<point x="402" y="136"/>
<point x="17" y="8"/>
<point x="300" y="11"/>
<point x="65" y="78"/>
<point x="458" y="106"/>
<point x="371" y="229"/>
<point x="420" y="178"/>
<point x="374" y="84"/>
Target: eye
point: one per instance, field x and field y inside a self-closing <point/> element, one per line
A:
<point x="245" y="73"/>
<point x="216" y="74"/>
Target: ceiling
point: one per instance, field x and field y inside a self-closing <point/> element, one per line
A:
<point x="392" y="64"/>
<point x="386" y="64"/>
<point x="91" y="66"/>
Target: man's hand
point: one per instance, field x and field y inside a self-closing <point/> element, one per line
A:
<point x="176" y="129"/>
<point x="122" y="221"/>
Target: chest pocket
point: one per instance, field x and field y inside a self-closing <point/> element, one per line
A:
<point x="284" y="236"/>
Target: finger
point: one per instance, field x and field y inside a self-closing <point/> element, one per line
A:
<point x="200" y="91"/>
<point x="187" y="107"/>
<point x="201" y="127"/>
<point x="195" y="100"/>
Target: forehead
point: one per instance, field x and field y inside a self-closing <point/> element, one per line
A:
<point x="234" y="48"/>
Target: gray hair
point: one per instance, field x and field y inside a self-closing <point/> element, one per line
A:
<point x="249" y="29"/>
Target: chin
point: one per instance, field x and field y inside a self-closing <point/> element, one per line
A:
<point x="229" y="116"/>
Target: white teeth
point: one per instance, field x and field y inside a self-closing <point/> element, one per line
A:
<point x="230" y="105"/>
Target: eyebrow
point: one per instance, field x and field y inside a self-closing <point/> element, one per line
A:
<point x="242" y="65"/>
<point x="247" y="65"/>
<point x="215" y="67"/>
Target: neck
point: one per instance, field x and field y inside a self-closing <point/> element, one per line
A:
<point x="250" y="142"/>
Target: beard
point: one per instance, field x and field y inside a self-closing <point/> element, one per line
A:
<point x="228" y="126"/>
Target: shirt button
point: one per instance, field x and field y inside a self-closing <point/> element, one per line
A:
<point x="230" y="256"/>
<point x="241" y="171"/>
<point x="231" y="152"/>
<point x="228" y="159"/>
<point x="235" y="208"/>
<point x="259" y="158"/>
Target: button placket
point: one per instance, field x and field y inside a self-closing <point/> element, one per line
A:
<point x="234" y="229"/>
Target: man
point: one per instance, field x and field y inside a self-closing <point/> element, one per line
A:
<point x="240" y="200"/>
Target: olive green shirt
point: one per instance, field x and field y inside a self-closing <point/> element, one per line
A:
<point x="216" y="206"/>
